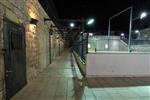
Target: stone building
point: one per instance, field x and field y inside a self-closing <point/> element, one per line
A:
<point x="26" y="48"/>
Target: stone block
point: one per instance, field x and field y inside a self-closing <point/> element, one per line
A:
<point x="1" y="85"/>
<point x="1" y="96"/>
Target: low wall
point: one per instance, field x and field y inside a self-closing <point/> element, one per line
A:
<point x="118" y="64"/>
<point x="80" y="63"/>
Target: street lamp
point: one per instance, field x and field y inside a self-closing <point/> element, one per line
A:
<point x="143" y="15"/>
<point x="130" y="24"/>
<point x="122" y="34"/>
<point x="90" y="21"/>
<point x="137" y="31"/>
<point x="83" y="22"/>
<point x="72" y="24"/>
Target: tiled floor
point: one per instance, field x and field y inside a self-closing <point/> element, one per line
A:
<point x="63" y="81"/>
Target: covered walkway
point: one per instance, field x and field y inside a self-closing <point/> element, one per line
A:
<point x="62" y="80"/>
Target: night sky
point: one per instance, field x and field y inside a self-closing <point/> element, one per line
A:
<point x="101" y="10"/>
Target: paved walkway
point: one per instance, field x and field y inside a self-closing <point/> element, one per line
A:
<point x="63" y="81"/>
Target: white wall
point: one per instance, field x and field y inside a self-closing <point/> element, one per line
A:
<point x="118" y="64"/>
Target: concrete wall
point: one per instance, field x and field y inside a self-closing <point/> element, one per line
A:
<point x="118" y="64"/>
<point x="37" y="39"/>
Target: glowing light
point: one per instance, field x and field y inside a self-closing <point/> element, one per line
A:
<point x="89" y="46"/>
<point x="90" y="21"/>
<point x="143" y="15"/>
<point x="106" y="46"/>
<point x="137" y="31"/>
<point x="72" y="25"/>
<point x="122" y="34"/>
<point x="32" y="14"/>
<point x="32" y="28"/>
<point x="90" y="34"/>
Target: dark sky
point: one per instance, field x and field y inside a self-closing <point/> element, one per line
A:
<point x="101" y="10"/>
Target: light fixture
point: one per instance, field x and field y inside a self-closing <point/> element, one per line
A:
<point x="33" y="21"/>
<point x="89" y="46"/>
<point x="122" y="34"/>
<point x="143" y="15"/>
<point x="106" y="46"/>
<point x="72" y="24"/>
<point x="137" y="31"/>
<point x="90" y="34"/>
<point x="90" y="21"/>
<point x="32" y="25"/>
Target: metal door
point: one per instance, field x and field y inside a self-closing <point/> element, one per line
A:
<point x="14" y="58"/>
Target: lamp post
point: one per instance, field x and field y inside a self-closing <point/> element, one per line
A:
<point x="83" y="21"/>
<point x="130" y="25"/>
<point x="89" y="22"/>
<point x="143" y="15"/>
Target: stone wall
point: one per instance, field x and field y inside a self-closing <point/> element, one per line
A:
<point x="2" y="85"/>
<point x="37" y="38"/>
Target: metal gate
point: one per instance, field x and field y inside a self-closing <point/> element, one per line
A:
<point x="14" y="58"/>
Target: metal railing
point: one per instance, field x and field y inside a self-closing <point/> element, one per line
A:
<point x="99" y="44"/>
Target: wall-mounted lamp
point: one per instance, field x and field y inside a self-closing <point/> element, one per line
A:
<point x="32" y="25"/>
<point x="33" y="21"/>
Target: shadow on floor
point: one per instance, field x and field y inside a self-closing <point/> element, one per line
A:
<point x="117" y="82"/>
<point x="78" y="82"/>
